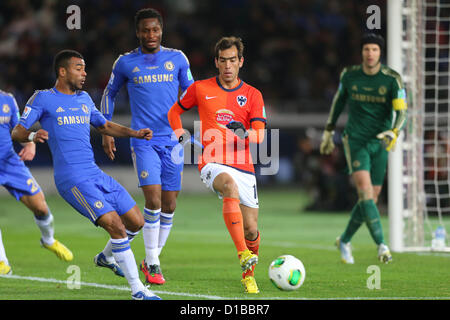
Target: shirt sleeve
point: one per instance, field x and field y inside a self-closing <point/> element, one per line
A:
<point x="399" y="104"/>
<point x="188" y="98"/>
<point x="184" y="75"/>
<point x="33" y="111"/>
<point x="97" y="118"/>
<point x="116" y="81"/>
<point x="257" y="111"/>
<point x="15" y="115"/>
<point x="339" y="102"/>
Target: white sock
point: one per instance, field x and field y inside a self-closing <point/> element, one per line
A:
<point x="107" y="251"/>
<point x="123" y="255"/>
<point x="165" y="226"/>
<point x="2" y="251"/>
<point x="151" y="235"/>
<point x="45" y="224"/>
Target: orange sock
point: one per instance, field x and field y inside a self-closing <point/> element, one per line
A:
<point x="232" y="216"/>
<point x="253" y="246"/>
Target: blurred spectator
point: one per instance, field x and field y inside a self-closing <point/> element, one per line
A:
<point x="325" y="178"/>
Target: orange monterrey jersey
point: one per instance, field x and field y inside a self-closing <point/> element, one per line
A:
<point x="218" y="106"/>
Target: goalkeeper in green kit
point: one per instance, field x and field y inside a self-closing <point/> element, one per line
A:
<point x="377" y="106"/>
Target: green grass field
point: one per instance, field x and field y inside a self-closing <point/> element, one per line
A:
<point x="199" y="260"/>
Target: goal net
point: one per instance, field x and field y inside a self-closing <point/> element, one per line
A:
<point x="426" y="148"/>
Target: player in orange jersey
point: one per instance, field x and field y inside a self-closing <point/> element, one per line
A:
<point x="232" y="116"/>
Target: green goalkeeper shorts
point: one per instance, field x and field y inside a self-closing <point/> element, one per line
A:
<point x="366" y="155"/>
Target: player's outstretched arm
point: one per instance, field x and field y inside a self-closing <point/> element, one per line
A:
<point x="20" y="134"/>
<point x="116" y="130"/>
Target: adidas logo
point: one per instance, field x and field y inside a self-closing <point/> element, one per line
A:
<point x="136" y="69"/>
<point x="60" y="109"/>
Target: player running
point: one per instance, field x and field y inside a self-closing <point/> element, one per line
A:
<point x="153" y="75"/>
<point x="231" y="114"/>
<point x="373" y="92"/>
<point x="65" y="114"/>
<point x="17" y="179"/>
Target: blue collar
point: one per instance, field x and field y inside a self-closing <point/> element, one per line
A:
<point x="229" y="90"/>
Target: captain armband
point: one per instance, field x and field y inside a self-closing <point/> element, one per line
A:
<point x="399" y="104"/>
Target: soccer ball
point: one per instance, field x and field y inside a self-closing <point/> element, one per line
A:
<point x="287" y="272"/>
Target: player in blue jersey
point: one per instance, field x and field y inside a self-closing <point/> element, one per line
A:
<point x="17" y="179"/>
<point x="153" y="75"/>
<point x="65" y="114"/>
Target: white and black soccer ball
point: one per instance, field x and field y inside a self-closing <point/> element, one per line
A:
<point x="287" y="272"/>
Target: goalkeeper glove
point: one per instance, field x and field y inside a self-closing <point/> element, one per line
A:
<point x="327" y="145"/>
<point x="388" y="138"/>
<point x="238" y="129"/>
<point x="186" y="138"/>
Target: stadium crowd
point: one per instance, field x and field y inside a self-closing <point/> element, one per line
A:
<point x="294" y="52"/>
<point x="295" y="49"/>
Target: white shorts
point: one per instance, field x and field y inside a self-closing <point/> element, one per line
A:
<point x="246" y="182"/>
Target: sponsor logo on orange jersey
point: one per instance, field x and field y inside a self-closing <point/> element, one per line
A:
<point x="223" y="116"/>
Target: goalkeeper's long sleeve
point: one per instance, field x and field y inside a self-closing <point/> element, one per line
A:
<point x="338" y="104"/>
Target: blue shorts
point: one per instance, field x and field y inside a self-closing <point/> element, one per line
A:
<point x="17" y="178"/>
<point x="153" y="164"/>
<point x="96" y="196"/>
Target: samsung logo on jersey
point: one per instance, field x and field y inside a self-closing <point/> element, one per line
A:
<point x="162" y="77"/>
<point x="5" y="120"/>
<point x="72" y="120"/>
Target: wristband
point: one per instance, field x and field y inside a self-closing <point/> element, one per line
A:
<point x="31" y="136"/>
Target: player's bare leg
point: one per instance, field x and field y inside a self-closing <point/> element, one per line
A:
<point x="44" y="220"/>
<point x="133" y="220"/>
<point x="150" y="266"/>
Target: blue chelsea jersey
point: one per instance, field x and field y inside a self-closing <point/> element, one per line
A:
<point x="153" y="81"/>
<point x="9" y="117"/>
<point x="67" y="119"/>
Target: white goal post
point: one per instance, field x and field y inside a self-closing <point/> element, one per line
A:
<point x="418" y="47"/>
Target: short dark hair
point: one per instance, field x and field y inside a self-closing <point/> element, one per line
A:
<point x="226" y="43"/>
<point x="147" y="13"/>
<point x="62" y="58"/>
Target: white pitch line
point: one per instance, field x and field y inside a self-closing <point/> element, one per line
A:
<point x="111" y="287"/>
<point x="211" y="297"/>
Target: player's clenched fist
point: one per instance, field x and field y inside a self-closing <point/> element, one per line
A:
<point x="40" y="136"/>
<point x="146" y="134"/>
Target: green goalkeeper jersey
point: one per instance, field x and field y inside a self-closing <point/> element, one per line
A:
<point x="372" y="100"/>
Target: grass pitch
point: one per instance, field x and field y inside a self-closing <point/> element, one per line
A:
<point x="200" y="262"/>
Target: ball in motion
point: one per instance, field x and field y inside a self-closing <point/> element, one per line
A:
<point x="287" y="272"/>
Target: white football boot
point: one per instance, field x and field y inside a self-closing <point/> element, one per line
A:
<point x="346" y="251"/>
